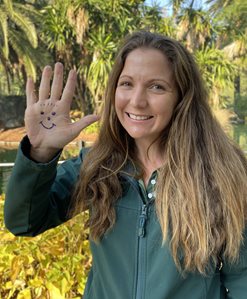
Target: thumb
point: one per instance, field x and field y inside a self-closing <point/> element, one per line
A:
<point x="84" y="122"/>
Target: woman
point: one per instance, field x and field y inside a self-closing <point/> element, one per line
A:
<point x="166" y="188"/>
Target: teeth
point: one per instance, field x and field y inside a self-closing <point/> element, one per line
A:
<point x="138" y="117"/>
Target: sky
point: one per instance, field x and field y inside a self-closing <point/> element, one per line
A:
<point x="160" y="2"/>
<point x="197" y="3"/>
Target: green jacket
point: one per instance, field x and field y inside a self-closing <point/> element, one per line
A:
<point x="130" y="261"/>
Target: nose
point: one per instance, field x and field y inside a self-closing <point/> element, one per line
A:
<point x="139" y="98"/>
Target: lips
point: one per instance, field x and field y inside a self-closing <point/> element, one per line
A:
<point x="139" y="117"/>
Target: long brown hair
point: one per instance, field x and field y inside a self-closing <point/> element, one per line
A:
<point x="201" y="196"/>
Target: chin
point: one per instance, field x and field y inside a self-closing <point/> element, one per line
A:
<point x="139" y="137"/>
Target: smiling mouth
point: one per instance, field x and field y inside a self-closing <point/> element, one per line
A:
<point x="53" y="125"/>
<point x="139" y="117"/>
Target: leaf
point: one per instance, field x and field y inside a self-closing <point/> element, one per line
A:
<point x="54" y="292"/>
<point x="25" y="294"/>
<point x="65" y="286"/>
<point x="5" y="236"/>
<point x="15" y="268"/>
<point x="24" y="264"/>
<point x="36" y="282"/>
<point x="8" y="285"/>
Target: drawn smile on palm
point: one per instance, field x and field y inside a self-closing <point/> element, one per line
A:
<point x="47" y="122"/>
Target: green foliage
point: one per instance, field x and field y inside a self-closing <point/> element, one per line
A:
<point x="84" y="35"/>
<point x="241" y="106"/>
<point x="69" y="152"/>
<point x="92" y="129"/>
<point x="19" y="52"/>
<point x="216" y="68"/>
<point x="53" y="265"/>
<point x="195" y="27"/>
<point x="217" y="71"/>
<point x="102" y="46"/>
<point x="232" y="13"/>
<point x="56" y="27"/>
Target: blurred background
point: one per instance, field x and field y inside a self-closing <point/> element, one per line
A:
<point x="84" y="35"/>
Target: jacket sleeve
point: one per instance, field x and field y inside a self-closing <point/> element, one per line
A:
<point x="38" y="195"/>
<point x="234" y="276"/>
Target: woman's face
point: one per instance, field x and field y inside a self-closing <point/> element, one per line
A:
<point x="145" y="95"/>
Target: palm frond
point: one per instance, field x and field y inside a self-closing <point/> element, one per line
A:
<point x="4" y="34"/>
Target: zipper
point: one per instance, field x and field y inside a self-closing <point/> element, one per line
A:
<point x="142" y="221"/>
<point x="141" y="252"/>
<point x="141" y="242"/>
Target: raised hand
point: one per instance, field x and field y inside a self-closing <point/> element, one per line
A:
<point x="47" y="117"/>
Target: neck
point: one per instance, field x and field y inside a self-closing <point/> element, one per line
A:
<point x="151" y="158"/>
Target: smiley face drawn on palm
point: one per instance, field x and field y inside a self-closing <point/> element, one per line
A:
<point x="48" y="122"/>
<point x="48" y="118"/>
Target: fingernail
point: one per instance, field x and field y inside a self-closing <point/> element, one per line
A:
<point x="58" y="64"/>
<point x="47" y="69"/>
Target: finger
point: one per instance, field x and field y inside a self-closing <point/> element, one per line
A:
<point x="57" y="84"/>
<point x="30" y="93"/>
<point x="69" y="89"/>
<point x="44" y="89"/>
<point x="84" y="122"/>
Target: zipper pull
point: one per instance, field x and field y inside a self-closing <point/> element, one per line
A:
<point x="142" y="221"/>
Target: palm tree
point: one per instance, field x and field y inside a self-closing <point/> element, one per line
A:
<point x="19" y="41"/>
<point x="102" y="46"/>
<point x="233" y="40"/>
<point x="215" y="36"/>
<point x="217" y="71"/>
<point x="176" y="7"/>
<point x="77" y="34"/>
<point x="195" y="27"/>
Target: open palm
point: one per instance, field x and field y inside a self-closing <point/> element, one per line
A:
<point x="47" y="117"/>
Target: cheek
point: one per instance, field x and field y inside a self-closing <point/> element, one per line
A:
<point x="120" y="101"/>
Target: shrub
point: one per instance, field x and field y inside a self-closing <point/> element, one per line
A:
<point x="53" y="265"/>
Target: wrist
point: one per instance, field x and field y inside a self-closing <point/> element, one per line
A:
<point x="42" y="155"/>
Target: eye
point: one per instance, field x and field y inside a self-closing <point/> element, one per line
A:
<point x="157" y="87"/>
<point x="124" y="83"/>
<point x="53" y="113"/>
